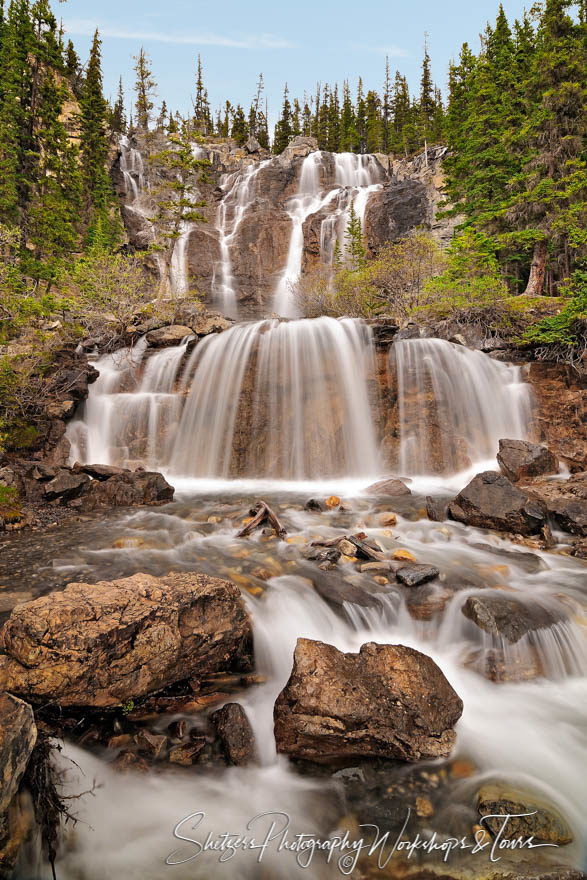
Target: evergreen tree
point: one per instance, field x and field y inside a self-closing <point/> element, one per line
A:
<point x="361" y="120"/>
<point x="355" y="249"/>
<point x="283" y="128"/>
<point x="333" y="140"/>
<point x="202" y="115"/>
<point x="162" y="118"/>
<point x="348" y="131"/>
<point x="145" y="88"/>
<point x="306" y="119"/>
<point x="118" y="118"/>
<point x="321" y="132"/>
<point x="240" y="130"/>
<point x="387" y="109"/>
<point x="296" y="124"/>
<point x="427" y="102"/>
<point x="374" y="125"/>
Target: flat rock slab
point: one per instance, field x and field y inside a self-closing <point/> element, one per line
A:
<point x="508" y="617"/>
<point x="104" y="644"/>
<point x="172" y="335"/>
<point x="387" y="701"/>
<point x="414" y="575"/>
<point x="18" y="735"/>
<point x="490" y="501"/>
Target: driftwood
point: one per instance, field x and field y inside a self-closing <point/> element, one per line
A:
<point x="262" y="513"/>
<point x="366" y="551"/>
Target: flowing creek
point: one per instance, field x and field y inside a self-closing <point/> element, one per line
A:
<point x="311" y="428"/>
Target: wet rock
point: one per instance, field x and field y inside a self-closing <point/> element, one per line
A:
<point x="490" y="501"/>
<point x="235" y="734"/>
<point x="104" y="644"/>
<point x="151" y="743"/>
<point x="377" y="567"/>
<point x="332" y="502"/>
<point x="436" y="509"/>
<point x="338" y="592"/>
<point x="565" y="502"/>
<point x="127" y="761"/>
<point x="414" y="575"/>
<point x="187" y="754"/>
<point x="18" y="735"/>
<point x="315" y="504"/>
<point x="428" y="601"/>
<point x="519" y="459"/>
<point x="98" y="471"/>
<point x="509" y="618"/>
<point x="165" y="336"/>
<point x="178" y="729"/>
<point x="402" y="555"/>
<point x="321" y="555"/>
<point x="387" y="520"/>
<point x="387" y="701"/>
<point x="204" y="325"/>
<point x="346" y="547"/>
<point x="388" y="487"/>
<point x="66" y="485"/>
<point x="542" y="821"/>
<point x="529" y="562"/>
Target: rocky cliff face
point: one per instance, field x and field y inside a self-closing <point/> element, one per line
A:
<point x="271" y="217"/>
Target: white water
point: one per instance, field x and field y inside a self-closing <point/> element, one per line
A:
<point x="356" y="178"/>
<point x="240" y="189"/>
<point x="473" y="400"/>
<point x="133" y="169"/>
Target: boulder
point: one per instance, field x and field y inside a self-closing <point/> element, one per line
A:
<point x="235" y="734"/>
<point x="530" y="817"/>
<point x="519" y="459"/>
<point x="509" y="618"/>
<point x="436" y="509"/>
<point x="490" y="501"/>
<point x="414" y="575"/>
<point x="66" y="486"/>
<point x="565" y="502"/>
<point x="18" y="735"/>
<point x="253" y="145"/>
<point x="165" y="336"/>
<point x="387" y="701"/>
<point x="204" y="325"/>
<point x="388" y="487"/>
<point x="104" y="644"/>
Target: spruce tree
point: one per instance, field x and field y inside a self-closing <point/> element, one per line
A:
<point x="355" y="249"/>
<point x="202" y="115"/>
<point x="427" y="103"/>
<point x="118" y="118"/>
<point x="283" y="128"/>
<point x="387" y="109"/>
<point x="374" y="124"/>
<point x="361" y="119"/>
<point x="348" y="131"/>
<point x="145" y="88"/>
<point x="240" y="130"/>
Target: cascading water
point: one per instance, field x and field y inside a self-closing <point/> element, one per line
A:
<point x="239" y="191"/>
<point x="133" y="169"/>
<point x="454" y="406"/>
<point x="355" y="179"/>
<point x="299" y="389"/>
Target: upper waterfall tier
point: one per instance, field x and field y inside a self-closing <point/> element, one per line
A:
<point x="272" y="218"/>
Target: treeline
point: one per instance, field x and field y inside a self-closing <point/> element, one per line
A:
<point x="55" y="189"/>
<point x="366" y="122"/>
<point x="515" y="124"/>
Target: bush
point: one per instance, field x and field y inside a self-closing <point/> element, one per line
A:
<point x="563" y="337"/>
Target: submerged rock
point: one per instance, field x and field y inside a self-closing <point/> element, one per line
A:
<point x="490" y="501"/>
<point x="529" y="816"/>
<point x="235" y="733"/>
<point x="388" y="487"/>
<point x="507" y="617"/>
<point x="414" y="575"/>
<point x="386" y="701"/>
<point x="104" y="644"/>
<point x="519" y="459"/>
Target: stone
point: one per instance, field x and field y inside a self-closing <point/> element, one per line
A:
<point x="509" y="617"/>
<point x="339" y="592"/>
<point x="490" y="501"/>
<point x="235" y="734"/>
<point x="165" y="336"/>
<point x="187" y="754"/>
<point x="98" y="471"/>
<point x="322" y="555"/>
<point x="178" y="729"/>
<point x="387" y="519"/>
<point x="204" y="325"/>
<point x="529" y="562"/>
<point x="314" y="504"/>
<point x="377" y="567"/>
<point x="565" y="502"/>
<point x="414" y="575"/>
<point x="436" y="509"/>
<point x="154" y="744"/>
<point x="519" y="459"/>
<point x="18" y="735"/>
<point x="104" y="644"/>
<point x="332" y="502"/>
<point x="387" y="701"/>
<point x="543" y="822"/>
<point x="252" y="145"/>
<point x="66" y="485"/>
<point x="346" y="548"/>
<point x="126" y="761"/>
<point x="388" y="487"/>
<point x="402" y="555"/>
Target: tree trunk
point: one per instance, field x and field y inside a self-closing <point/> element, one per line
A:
<point x="537" y="270"/>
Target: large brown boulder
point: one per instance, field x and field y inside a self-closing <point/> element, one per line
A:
<point x="104" y="644"/>
<point x="565" y="502"/>
<point x="18" y="735"/>
<point x="518" y="459"/>
<point x="386" y="701"/>
<point x="490" y="501"/>
<point x="174" y="334"/>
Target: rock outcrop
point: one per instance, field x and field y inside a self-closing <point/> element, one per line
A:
<point x="565" y="502"/>
<point x="18" y="735"/>
<point x="490" y="501"/>
<point x="104" y="644"/>
<point x="386" y="701"/>
<point x="519" y="460"/>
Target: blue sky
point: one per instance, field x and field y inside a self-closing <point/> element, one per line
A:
<point x="300" y="42"/>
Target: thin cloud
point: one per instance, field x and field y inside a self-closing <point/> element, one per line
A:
<point x="86" y="28"/>
<point x="392" y="51"/>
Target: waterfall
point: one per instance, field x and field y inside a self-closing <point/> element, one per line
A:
<point x="455" y="405"/>
<point x="133" y="169"/>
<point x="355" y="179"/>
<point x="239" y="191"/>
<point x="287" y="401"/>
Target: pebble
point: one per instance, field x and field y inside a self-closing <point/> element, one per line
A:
<point x="404" y="555"/>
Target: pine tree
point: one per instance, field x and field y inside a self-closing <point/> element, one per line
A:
<point x="387" y="109"/>
<point x="306" y="118"/>
<point x="322" y="119"/>
<point x="118" y="118"/>
<point x="333" y="141"/>
<point x="355" y="249"/>
<point x="240" y="130"/>
<point x="145" y="88"/>
<point x="427" y="103"/>
<point x="202" y="115"/>
<point x="162" y="118"/>
<point x="361" y="119"/>
<point x="348" y="131"/>
<point x="283" y="128"/>
<point x="374" y="125"/>
<point x="296" y="124"/>
<point x="96" y="187"/>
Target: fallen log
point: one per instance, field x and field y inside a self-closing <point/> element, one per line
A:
<point x="262" y="513"/>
